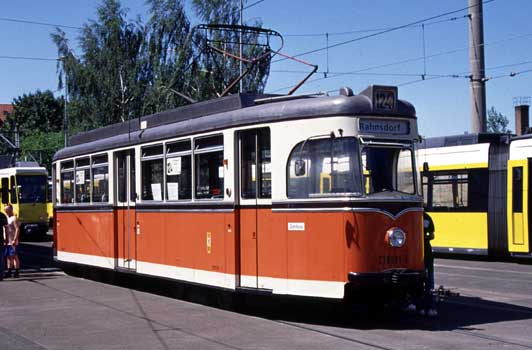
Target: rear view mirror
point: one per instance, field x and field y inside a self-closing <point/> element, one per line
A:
<point x="300" y="167"/>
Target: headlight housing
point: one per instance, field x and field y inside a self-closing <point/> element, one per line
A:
<point x="396" y="237"/>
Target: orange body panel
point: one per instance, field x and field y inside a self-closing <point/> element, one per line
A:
<point x="331" y="245"/>
<point x="249" y="234"/>
<point x="126" y="237"/>
<point x="181" y="239"/>
<point x="368" y="250"/>
<point x="86" y="233"/>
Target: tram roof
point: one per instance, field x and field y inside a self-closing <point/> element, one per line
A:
<point x="464" y="139"/>
<point x="226" y="112"/>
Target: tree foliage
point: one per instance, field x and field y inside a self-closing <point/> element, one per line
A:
<point x="128" y="68"/>
<point x="497" y="122"/>
<point x="38" y="118"/>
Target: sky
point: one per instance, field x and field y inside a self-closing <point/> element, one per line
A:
<point x="439" y="49"/>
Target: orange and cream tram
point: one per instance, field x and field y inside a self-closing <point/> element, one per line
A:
<point x="307" y="196"/>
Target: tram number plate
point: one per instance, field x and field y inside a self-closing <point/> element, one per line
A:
<point x="393" y="259"/>
<point x="385" y="99"/>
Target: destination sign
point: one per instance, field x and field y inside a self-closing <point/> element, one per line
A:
<point x="384" y="126"/>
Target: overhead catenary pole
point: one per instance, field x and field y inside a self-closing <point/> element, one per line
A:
<point x="65" y="116"/>
<point x="476" y="63"/>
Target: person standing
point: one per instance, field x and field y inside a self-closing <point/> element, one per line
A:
<point x="428" y="235"/>
<point x="12" y="232"/>
<point x="2" y="240"/>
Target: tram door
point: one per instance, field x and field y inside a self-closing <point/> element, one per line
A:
<point x="125" y="214"/>
<point x="518" y="204"/>
<point x="254" y="191"/>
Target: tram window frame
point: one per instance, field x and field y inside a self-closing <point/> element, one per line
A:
<point x="98" y="162"/>
<point x="5" y="190"/>
<point x="83" y="165"/>
<point x="383" y="173"/>
<point x="13" y="196"/>
<point x="67" y="166"/>
<point x="255" y="166"/>
<point x="315" y="186"/>
<point x="148" y="157"/>
<point x="517" y="189"/>
<point x="182" y="150"/>
<point x="208" y="146"/>
<point x="476" y="183"/>
<point x="53" y="195"/>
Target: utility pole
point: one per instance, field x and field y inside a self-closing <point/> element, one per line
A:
<point x="241" y="83"/>
<point x="476" y="63"/>
<point x="65" y="116"/>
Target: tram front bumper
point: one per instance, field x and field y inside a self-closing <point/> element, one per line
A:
<point x="400" y="278"/>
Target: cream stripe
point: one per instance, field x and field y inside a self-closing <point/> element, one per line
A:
<point x="282" y="286"/>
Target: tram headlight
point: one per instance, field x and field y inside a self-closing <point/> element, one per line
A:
<point x="396" y="237"/>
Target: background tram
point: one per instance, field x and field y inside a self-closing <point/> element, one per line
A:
<point x="24" y="187"/>
<point x="309" y="196"/>
<point x="476" y="190"/>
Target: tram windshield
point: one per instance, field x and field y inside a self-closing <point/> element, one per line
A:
<point x="32" y="188"/>
<point x="324" y="167"/>
<point x="388" y="169"/>
<point x="332" y="167"/>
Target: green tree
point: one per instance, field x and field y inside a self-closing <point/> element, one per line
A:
<point x="129" y="68"/>
<point x="497" y="122"/>
<point x="38" y="118"/>
<point x="168" y="56"/>
<point x="105" y="83"/>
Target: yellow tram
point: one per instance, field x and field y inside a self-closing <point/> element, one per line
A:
<point x="476" y="189"/>
<point x="24" y="187"/>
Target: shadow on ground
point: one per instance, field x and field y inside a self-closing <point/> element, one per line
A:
<point x="455" y="313"/>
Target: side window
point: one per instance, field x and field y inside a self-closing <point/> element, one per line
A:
<point x="517" y="189"/>
<point x="255" y="149"/>
<point x="465" y="190"/>
<point x="67" y="182"/>
<point x="13" y="195"/>
<point x="5" y="190"/>
<point x="209" y="169"/>
<point x="100" y="179"/>
<point x="178" y="171"/>
<point x="450" y="191"/>
<point x="83" y="189"/>
<point x="152" y="173"/>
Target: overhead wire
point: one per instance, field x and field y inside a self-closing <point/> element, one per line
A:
<point x="16" y="20"/>
<point x="358" y="31"/>
<point x="29" y="58"/>
<point x="414" y="59"/>
<point x="384" y="31"/>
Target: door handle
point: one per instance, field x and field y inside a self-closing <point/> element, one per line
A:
<point x="254" y="235"/>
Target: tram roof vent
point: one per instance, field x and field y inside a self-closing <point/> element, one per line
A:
<point x="281" y="98"/>
<point x="346" y="91"/>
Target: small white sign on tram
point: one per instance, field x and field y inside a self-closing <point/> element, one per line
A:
<point x="383" y="126"/>
<point x="80" y="177"/>
<point x="173" y="166"/>
<point x="173" y="191"/>
<point x="296" y="226"/>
